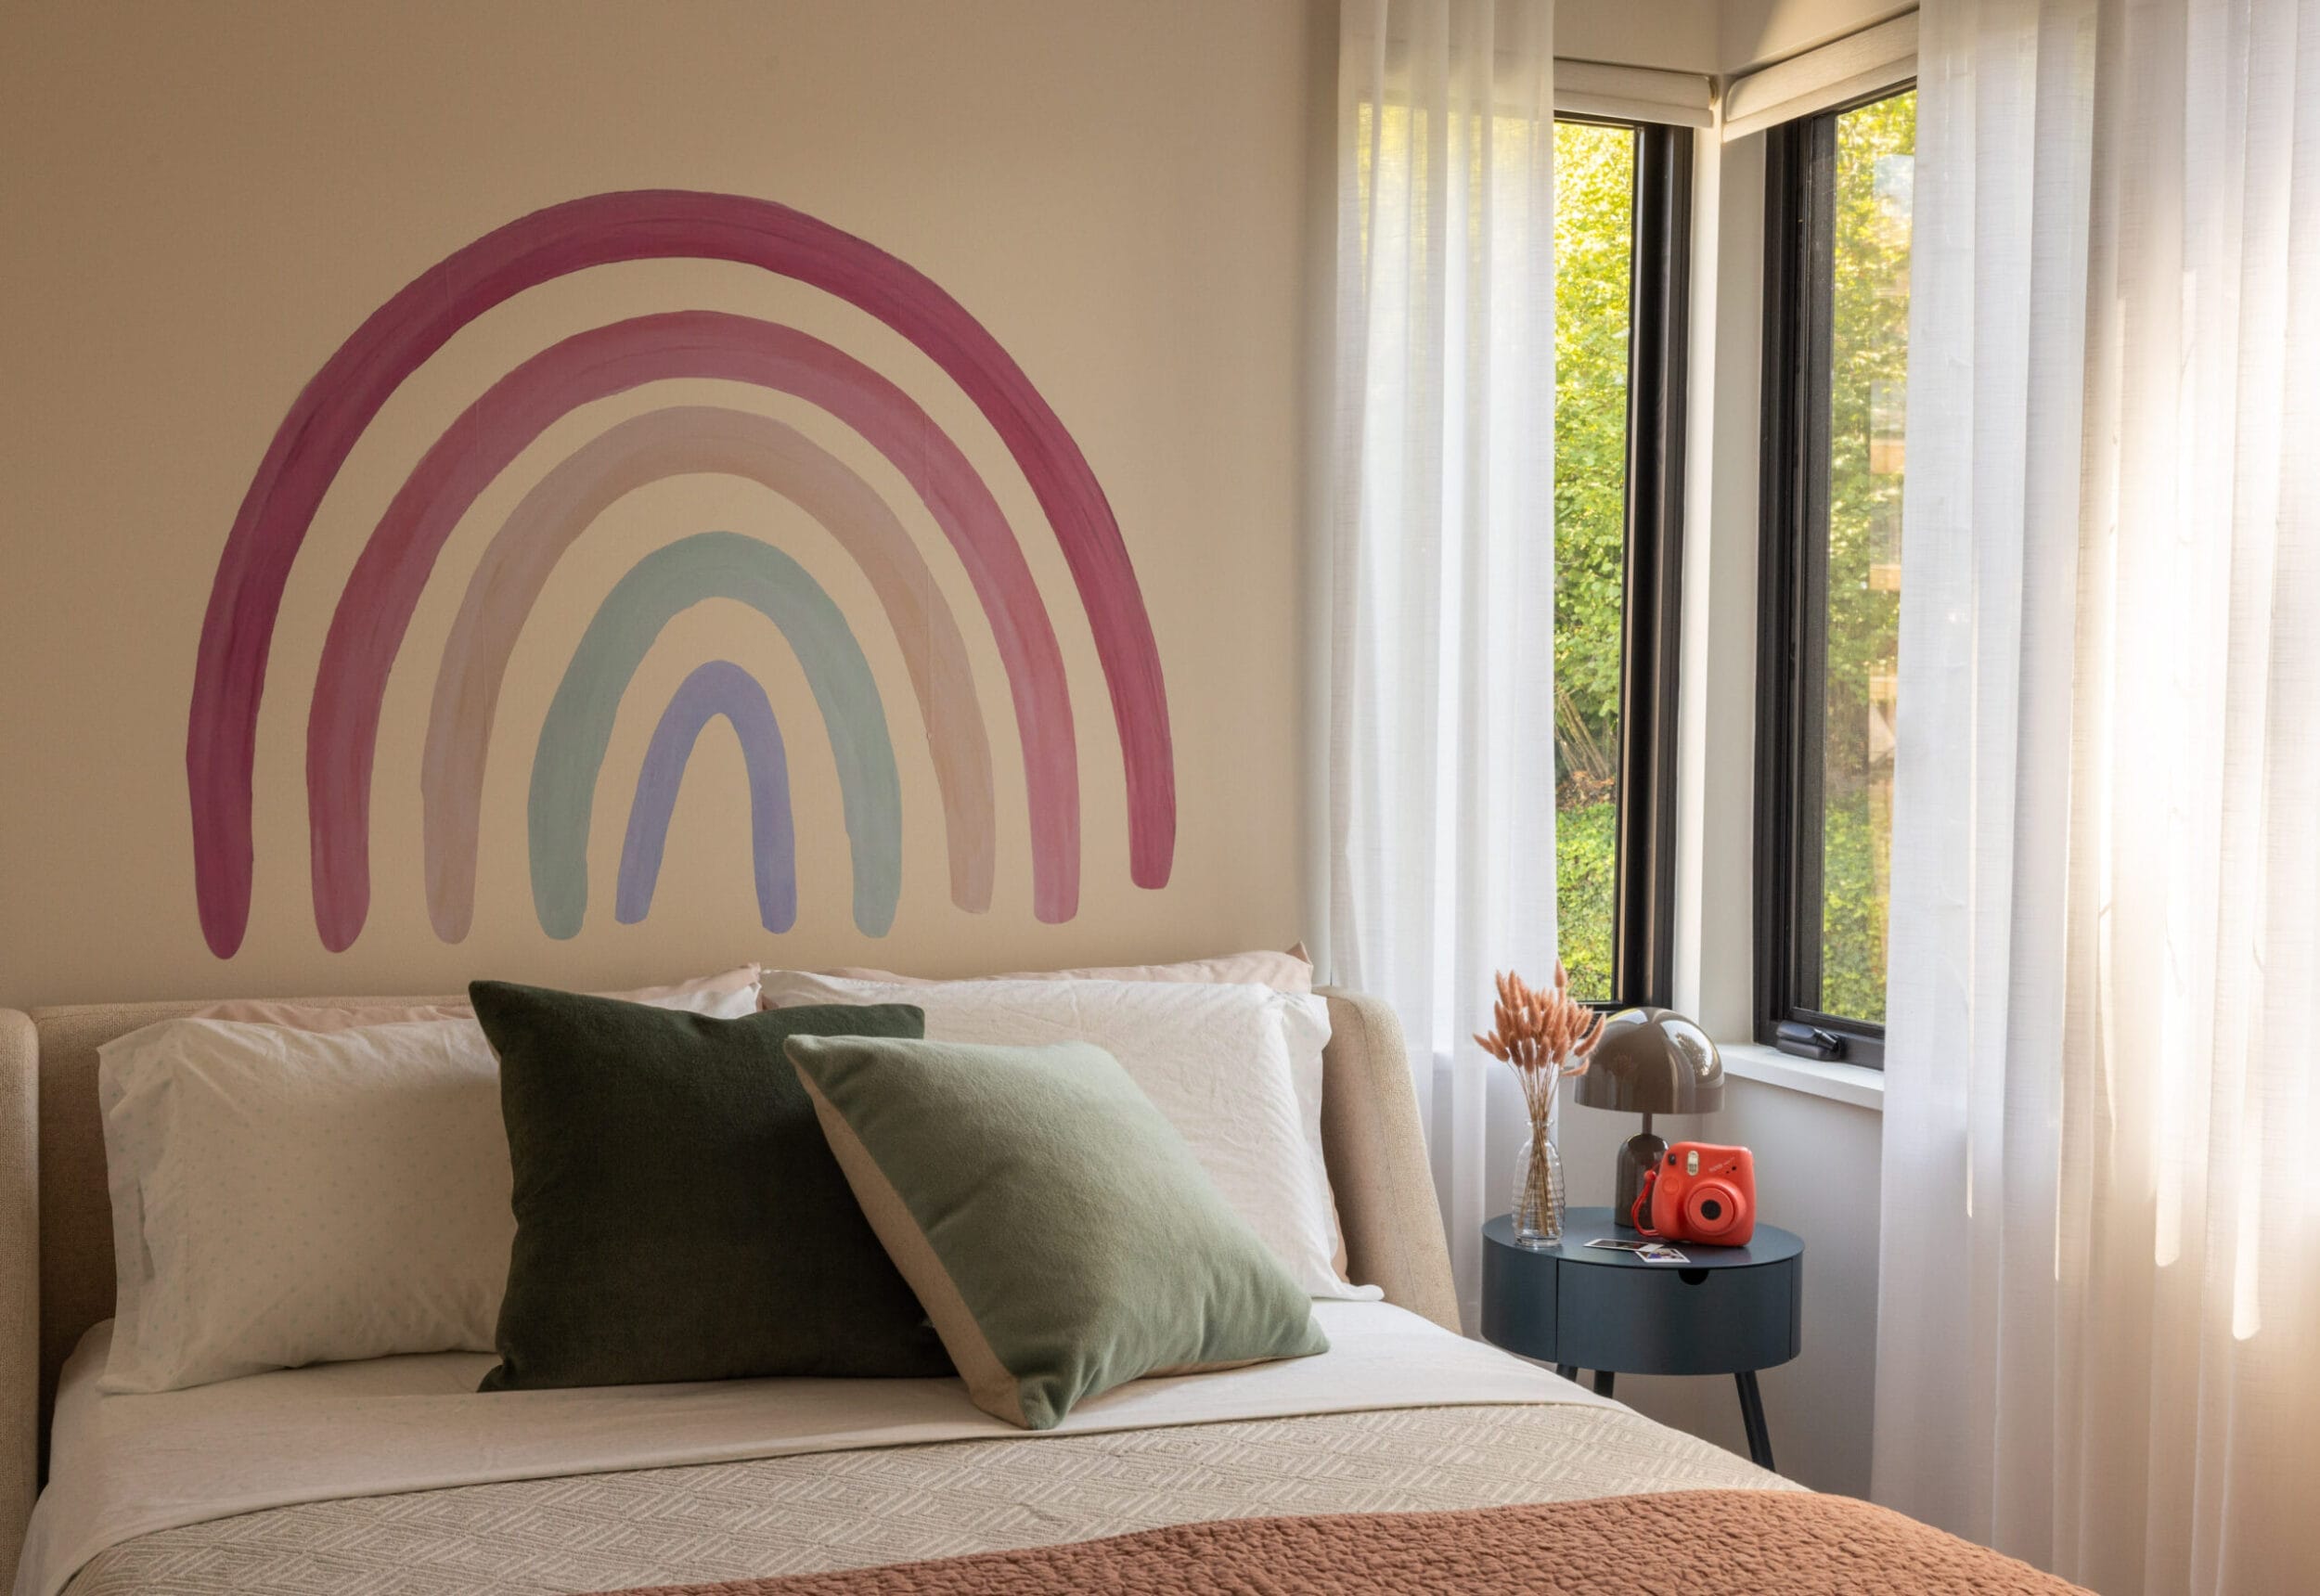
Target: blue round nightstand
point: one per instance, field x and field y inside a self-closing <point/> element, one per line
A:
<point x="1730" y="1310"/>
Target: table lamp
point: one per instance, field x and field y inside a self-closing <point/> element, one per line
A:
<point x="1650" y="1061"/>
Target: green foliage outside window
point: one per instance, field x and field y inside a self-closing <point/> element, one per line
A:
<point x="1594" y="194"/>
<point x="1869" y="347"/>
<point x="1594" y="240"/>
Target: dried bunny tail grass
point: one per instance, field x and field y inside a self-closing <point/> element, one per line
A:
<point x="1540" y="1031"/>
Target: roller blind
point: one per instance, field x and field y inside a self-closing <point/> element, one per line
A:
<point x="1860" y="64"/>
<point x="1630" y="93"/>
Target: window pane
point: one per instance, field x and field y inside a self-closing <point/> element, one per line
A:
<point x="1594" y="229"/>
<point x="1869" y="350"/>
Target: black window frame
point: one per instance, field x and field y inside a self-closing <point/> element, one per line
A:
<point x="1660" y="287"/>
<point x="1792" y="598"/>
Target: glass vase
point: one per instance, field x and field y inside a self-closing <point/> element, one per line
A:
<point x="1537" y="1212"/>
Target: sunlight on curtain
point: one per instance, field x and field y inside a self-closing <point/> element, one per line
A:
<point x="1439" y="557"/>
<point x="2099" y="1330"/>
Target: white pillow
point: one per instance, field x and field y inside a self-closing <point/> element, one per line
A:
<point x="1223" y="1062"/>
<point x="1291" y="972"/>
<point x="285" y="1195"/>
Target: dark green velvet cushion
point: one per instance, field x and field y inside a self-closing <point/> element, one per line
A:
<point x="1059" y="1232"/>
<point x="678" y="1216"/>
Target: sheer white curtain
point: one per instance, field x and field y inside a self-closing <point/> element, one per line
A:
<point x="1439" y="552"/>
<point x="2099" y="1329"/>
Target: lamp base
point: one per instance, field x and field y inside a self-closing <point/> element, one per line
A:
<point x="1638" y="1152"/>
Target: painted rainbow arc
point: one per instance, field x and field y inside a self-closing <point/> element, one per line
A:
<point x="384" y="590"/>
<point x="718" y="690"/>
<point x="523" y="554"/>
<point x="579" y="723"/>
<point x="339" y="402"/>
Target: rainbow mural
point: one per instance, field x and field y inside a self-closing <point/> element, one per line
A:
<point x="373" y="613"/>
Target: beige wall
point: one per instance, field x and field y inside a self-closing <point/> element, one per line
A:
<point x="202" y="201"/>
<point x="1673" y="35"/>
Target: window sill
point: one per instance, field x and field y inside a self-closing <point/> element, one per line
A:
<point x="1854" y="1084"/>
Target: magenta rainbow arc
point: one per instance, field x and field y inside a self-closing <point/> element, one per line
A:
<point x="367" y="631"/>
<point x="339" y="404"/>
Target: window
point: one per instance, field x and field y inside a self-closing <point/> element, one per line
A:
<point x="1838" y="189"/>
<point x="1622" y="239"/>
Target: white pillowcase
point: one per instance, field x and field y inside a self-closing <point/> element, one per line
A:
<point x="1236" y="1069"/>
<point x="284" y="1196"/>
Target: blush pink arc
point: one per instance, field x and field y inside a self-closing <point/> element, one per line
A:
<point x="392" y="572"/>
<point x="339" y="402"/>
<point x="702" y="438"/>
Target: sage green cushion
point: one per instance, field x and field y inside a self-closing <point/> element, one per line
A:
<point x="678" y="1216"/>
<point x="1061" y="1233"/>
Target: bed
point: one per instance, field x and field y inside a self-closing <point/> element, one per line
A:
<point x="1404" y="1439"/>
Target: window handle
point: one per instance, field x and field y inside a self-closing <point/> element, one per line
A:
<point x="1808" y="1042"/>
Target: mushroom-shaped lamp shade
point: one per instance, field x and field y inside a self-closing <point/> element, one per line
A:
<point x="1649" y="1060"/>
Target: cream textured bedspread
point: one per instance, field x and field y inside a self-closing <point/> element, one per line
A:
<point x="393" y="1475"/>
<point x="861" y="1509"/>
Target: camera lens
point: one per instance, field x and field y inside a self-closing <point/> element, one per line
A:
<point x="1711" y="1210"/>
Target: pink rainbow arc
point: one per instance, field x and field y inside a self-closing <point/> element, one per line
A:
<point x="339" y="402"/>
<point x="687" y="439"/>
<point x="392" y="573"/>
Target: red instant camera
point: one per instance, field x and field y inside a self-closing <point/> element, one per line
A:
<point x="1699" y="1193"/>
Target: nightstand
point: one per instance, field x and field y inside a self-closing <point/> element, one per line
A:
<point x="1730" y="1310"/>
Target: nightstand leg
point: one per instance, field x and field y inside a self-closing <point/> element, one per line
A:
<point x="1568" y="1371"/>
<point x="1752" y="1416"/>
<point x="1602" y="1382"/>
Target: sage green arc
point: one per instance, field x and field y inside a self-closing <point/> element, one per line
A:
<point x="578" y="728"/>
<point x="1059" y="1231"/>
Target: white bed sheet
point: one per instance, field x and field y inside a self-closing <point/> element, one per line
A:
<point x="121" y="1466"/>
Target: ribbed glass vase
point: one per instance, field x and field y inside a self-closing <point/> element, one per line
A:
<point x="1538" y="1208"/>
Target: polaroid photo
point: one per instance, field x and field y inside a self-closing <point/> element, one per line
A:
<point x="1658" y="1254"/>
<point x="1619" y="1244"/>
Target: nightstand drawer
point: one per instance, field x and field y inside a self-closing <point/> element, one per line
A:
<point x="1701" y="1321"/>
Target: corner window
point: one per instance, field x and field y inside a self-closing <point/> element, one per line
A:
<point x="1622" y="239"/>
<point x="1839" y="201"/>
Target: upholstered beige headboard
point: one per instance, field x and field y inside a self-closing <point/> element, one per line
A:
<point x="56" y="1219"/>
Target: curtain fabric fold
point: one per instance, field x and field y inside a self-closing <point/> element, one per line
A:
<point x="2099" y="1321"/>
<point x="1438" y="552"/>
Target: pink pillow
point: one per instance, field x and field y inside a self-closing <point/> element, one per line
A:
<point x="727" y="996"/>
<point x="1291" y="972"/>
